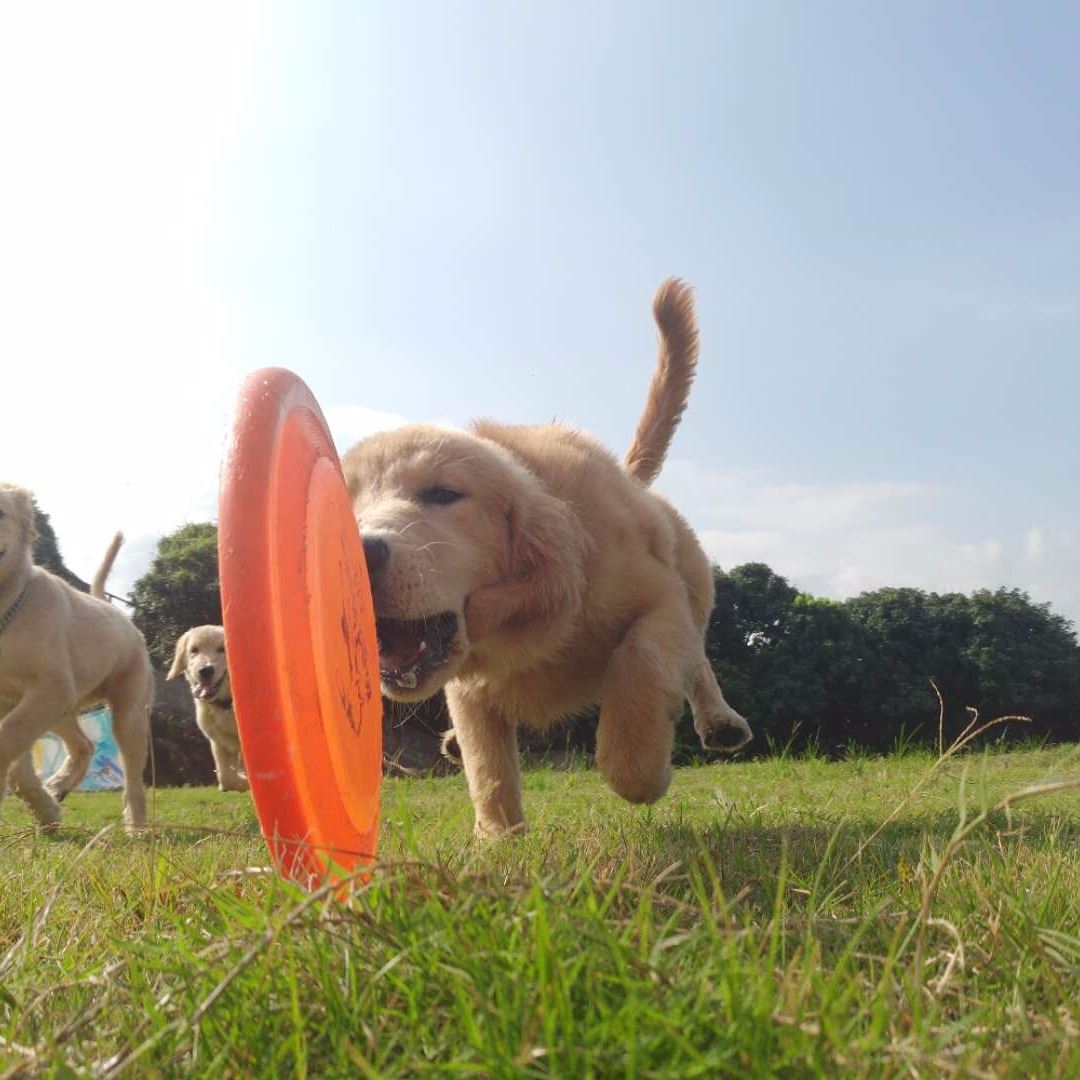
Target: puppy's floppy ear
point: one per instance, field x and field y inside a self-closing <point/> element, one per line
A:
<point x="24" y="507"/>
<point x="179" y="656"/>
<point x="547" y="548"/>
<point x="546" y="576"/>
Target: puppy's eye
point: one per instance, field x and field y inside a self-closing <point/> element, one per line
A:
<point x="440" y="496"/>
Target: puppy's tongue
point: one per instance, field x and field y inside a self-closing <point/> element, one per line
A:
<point x="400" y="645"/>
<point x="202" y="692"/>
<point x="405" y="644"/>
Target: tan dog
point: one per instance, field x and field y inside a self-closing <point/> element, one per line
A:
<point x="526" y="572"/>
<point x="62" y="652"/>
<point x="200" y="655"/>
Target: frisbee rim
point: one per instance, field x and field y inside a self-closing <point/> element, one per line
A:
<point x="279" y="442"/>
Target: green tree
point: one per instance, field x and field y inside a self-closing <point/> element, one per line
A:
<point x="749" y="624"/>
<point x="760" y="603"/>
<point x="914" y="636"/>
<point x="819" y="679"/>
<point x="1025" y="659"/>
<point x="180" y="590"/>
<point x="794" y="665"/>
<point x="799" y="667"/>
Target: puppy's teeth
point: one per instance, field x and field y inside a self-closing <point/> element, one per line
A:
<point x="408" y="680"/>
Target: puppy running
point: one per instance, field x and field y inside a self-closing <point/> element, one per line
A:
<point x="62" y="652"/>
<point x="530" y="575"/>
<point x="200" y="655"/>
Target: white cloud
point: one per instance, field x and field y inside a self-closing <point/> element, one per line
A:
<point x="1035" y="545"/>
<point x="841" y="539"/>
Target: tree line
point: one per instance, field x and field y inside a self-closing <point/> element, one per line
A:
<point x="857" y="672"/>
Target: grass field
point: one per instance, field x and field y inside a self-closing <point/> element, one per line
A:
<point x="781" y="917"/>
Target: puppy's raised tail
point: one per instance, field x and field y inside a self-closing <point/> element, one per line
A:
<point x="97" y="586"/>
<point x="673" y="309"/>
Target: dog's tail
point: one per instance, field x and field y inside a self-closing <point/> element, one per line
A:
<point x="673" y="309"/>
<point x="97" y="586"/>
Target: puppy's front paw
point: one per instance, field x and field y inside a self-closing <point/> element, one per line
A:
<point x="723" y="732"/>
<point x="448" y="746"/>
<point x="48" y="816"/>
<point x="487" y="830"/>
<point x="58" y="792"/>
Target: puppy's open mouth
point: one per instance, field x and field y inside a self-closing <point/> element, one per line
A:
<point x="208" y="691"/>
<point x="410" y="649"/>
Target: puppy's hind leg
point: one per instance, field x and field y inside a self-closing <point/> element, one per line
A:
<point x="642" y="695"/>
<point x="131" y="728"/>
<point x="718" y="725"/>
<point x="80" y="752"/>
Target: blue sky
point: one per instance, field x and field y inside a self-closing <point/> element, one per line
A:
<point x="436" y="211"/>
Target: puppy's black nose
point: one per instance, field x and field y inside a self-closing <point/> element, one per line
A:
<point x="377" y="553"/>
<point x="206" y="672"/>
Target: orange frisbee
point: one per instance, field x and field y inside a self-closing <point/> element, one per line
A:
<point x="299" y="633"/>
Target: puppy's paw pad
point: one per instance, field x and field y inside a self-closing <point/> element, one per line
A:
<point x="449" y="747"/>
<point x="725" y="735"/>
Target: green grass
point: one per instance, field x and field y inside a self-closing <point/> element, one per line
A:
<point x="782" y="917"/>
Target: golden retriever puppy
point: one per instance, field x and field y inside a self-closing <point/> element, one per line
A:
<point x="530" y="575"/>
<point x="62" y="652"/>
<point x="200" y="655"/>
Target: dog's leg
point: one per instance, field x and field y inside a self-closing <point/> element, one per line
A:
<point x="131" y="728"/>
<point x="20" y="729"/>
<point x="487" y="741"/>
<point x="80" y="752"/>
<point x="226" y="765"/>
<point x="718" y="725"/>
<point x="236" y="764"/>
<point x="221" y="764"/>
<point x="26" y="783"/>
<point x="642" y="695"/>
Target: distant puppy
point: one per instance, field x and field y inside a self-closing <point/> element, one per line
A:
<point x="532" y="576"/>
<point x="61" y="652"/>
<point x="200" y="655"/>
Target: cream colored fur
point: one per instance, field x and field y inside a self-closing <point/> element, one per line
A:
<point x="570" y="581"/>
<point x="200" y="656"/>
<point x="62" y="653"/>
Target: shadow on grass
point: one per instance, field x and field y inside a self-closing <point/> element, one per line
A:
<point x="113" y="834"/>
<point x="748" y="861"/>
